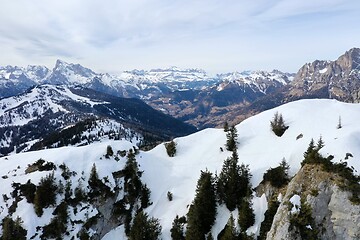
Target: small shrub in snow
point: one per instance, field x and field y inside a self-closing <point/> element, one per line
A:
<point x="339" y="123"/>
<point x="28" y="191"/>
<point x="45" y="194"/>
<point x="278" y="176"/>
<point x="66" y="173"/>
<point x="109" y="152"/>
<point x="170" y="196"/>
<point x="278" y="125"/>
<point x="40" y="165"/>
<point x="121" y="153"/>
<point x="171" y="148"/>
<point x="299" y="136"/>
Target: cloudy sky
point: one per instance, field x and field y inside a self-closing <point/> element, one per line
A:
<point x="216" y="35"/>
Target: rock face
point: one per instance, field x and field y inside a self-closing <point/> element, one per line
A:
<point x="336" y="217"/>
<point x="339" y="79"/>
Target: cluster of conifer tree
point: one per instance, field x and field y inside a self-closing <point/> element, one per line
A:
<point x="232" y="187"/>
<point x="278" y="125"/>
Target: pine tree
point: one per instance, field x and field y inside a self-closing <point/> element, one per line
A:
<point x="310" y="148"/>
<point x="45" y="194"/>
<point x="226" y="126"/>
<point x="246" y="215"/>
<point x="13" y="230"/>
<point x="320" y="144"/>
<point x="285" y="166"/>
<point x="230" y="230"/>
<point x="145" y="197"/>
<point x="97" y="186"/>
<point x="265" y="227"/>
<point x="132" y="184"/>
<point x="94" y="177"/>
<point x="145" y="228"/>
<point x="202" y="211"/>
<point x="278" y="176"/>
<point x="233" y="182"/>
<point x="231" y="137"/>
<point x="303" y="222"/>
<point x="177" y="230"/>
<point x="312" y="154"/>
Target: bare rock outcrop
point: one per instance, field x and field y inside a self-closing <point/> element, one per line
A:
<point x="335" y="216"/>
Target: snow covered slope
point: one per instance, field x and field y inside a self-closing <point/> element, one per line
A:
<point x="257" y="146"/>
<point x="47" y="108"/>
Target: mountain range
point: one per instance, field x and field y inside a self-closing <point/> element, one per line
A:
<point x="197" y="98"/>
<point x="190" y="95"/>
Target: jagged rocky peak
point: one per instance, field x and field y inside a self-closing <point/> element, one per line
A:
<point x="76" y="68"/>
<point x="321" y="70"/>
<point x="339" y="79"/>
<point x="350" y="60"/>
<point x="68" y="73"/>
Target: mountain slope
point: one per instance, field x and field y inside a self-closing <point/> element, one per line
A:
<point x="45" y="109"/>
<point x="257" y="146"/>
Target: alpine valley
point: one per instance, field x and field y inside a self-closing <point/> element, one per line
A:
<point x="90" y="155"/>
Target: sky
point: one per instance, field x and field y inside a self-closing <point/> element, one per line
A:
<point x="216" y="35"/>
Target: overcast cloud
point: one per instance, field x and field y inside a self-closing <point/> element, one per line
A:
<point x="216" y="35"/>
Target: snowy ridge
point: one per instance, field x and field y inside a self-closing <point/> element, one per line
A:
<point x="257" y="146"/>
<point x="136" y="82"/>
<point x="36" y="103"/>
<point x="257" y="80"/>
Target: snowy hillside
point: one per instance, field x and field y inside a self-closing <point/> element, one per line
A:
<point x="47" y="109"/>
<point x="257" y="146"/>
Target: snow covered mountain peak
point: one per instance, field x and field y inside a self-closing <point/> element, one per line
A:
<point x="71" y="74"/>
<point x="257" y="80"/>
<point x="171" y="74"/>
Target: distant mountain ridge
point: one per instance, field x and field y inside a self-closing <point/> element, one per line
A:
<point x="188" y="94"/>
<point x="339" y="79"/>
<point x="197" y="98"/>
<point x="135" y="83"/>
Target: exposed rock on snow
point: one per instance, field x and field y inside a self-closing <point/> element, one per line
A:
<point x="334" y="214"/>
